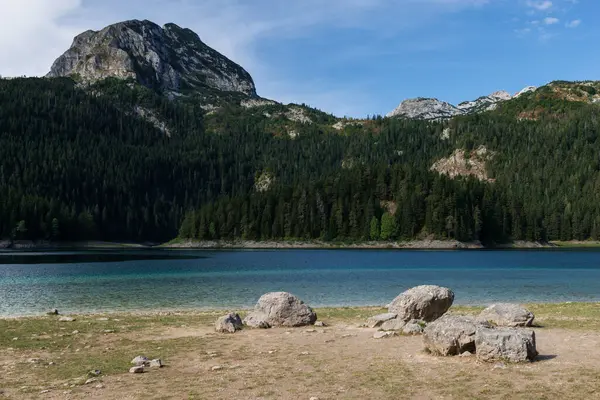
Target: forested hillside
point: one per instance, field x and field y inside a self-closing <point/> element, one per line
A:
<point x="117" y="161"/>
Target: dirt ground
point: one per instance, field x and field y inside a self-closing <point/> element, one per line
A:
<point x="341" y="361"/>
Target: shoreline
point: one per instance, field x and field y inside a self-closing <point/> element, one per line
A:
<point x="292" y="244"/>
<point x="218" y="311"/>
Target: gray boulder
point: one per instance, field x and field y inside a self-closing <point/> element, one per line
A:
<point x="229" y="323"/>
<point x="505" y="344"/>
<point x="426" y="303"/>
<point x="510" y="315"/>
<point x="378" y="320"/>
<point x="450" y="335"/>
<point x="393" y="325"/>
<point x="280" y="309"/>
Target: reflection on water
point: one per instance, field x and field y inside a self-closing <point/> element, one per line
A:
<point x="87" y="257"/>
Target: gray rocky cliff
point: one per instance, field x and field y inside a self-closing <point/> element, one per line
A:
<point x="167" y="58"/>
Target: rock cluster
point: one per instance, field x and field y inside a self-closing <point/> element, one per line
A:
<point x="496" y="334"/>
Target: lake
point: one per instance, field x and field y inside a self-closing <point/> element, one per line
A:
<point x="110" y="281"/>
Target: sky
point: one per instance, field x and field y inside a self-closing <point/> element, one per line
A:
<point x="348" y="57"/>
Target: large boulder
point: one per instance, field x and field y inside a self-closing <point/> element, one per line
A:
<point x="505" y="344"/>
<point x="229" y="323"/>
<point x="280" y="309"/>
<point x="426" y="303"/>
<point x="450" y="335"/>
<point x="510" y="315"/>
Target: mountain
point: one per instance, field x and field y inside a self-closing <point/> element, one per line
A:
<point x="434" y="109"/>
<point x="169" y="58"/>
<point x="143" y="133"/>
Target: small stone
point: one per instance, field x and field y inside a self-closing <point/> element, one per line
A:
<point x="500" y="366"/>
<point x="66" y="319"/>
<point x="34" y="360"/>
<point x="102" y="319"/>
<point x="271" y="352"/>
<point x="304" y="353"/>
<point x="321" y="324"/>
<point x="229" y="323"/>
<point x="139" y="360"/>
<point x="75" y="333"/>
<point x="99" y="386"/>
<point x="139" y="369"/>
<point x="156" y="363"/>
<point x="95" y="372"/>
<point x="52" y="312"/>
<point x="45" y="391"/>
<point x="377" y="320"/>
<point x="15" y="339"/>
<point x="383" y="335"/>
<point x="314" y="398"/>
<point x="216" y="368"/>
<point x="466" y="354"/>
<point x="109" y="331"/>
<point x="311" y="331"/>
<point x="51" y="363"/>
<point x="91" y="380"/>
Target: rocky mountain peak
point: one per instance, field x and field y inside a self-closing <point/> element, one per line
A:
<point x="169" y="58"/>
<point x="425" y="109"/>
<point x="434" y="109"/>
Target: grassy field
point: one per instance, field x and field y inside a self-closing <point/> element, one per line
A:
<point x="44" y="358"/>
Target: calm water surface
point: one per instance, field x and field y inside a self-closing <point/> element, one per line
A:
<point x="95" y="281"/>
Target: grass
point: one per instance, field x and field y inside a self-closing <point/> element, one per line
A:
<point x="64" y="358"/>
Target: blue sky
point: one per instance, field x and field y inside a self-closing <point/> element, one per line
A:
<point x="348" y="57"/>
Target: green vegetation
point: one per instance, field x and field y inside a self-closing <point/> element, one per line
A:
<point x="81" y="164"/>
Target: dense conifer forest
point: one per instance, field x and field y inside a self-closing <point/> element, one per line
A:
<point x="81" y="163"/>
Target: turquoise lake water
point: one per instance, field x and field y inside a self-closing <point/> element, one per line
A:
<point x="108" y="281"/>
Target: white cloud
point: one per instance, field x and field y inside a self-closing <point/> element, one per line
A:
<point x="31" y="34"/>
<point x="540" y="5"/>
<point x="551" y="21"/>
<point x="573" y="24"/>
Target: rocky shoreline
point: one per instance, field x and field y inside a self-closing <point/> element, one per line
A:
<point x="429" y="244"/>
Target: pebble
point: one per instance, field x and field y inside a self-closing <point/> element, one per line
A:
<point x="500" y="366"/>
<point x="311" y="331"/>
<point x="320" y="323"/>
<point x="216" y="368"/>
<point x="15" y="339"/>
<point x="66" y="319"/>
<point x="96" y="372"/>
<point x="139" y="369"/>
<point x="99" y="386"/>
<point x="314" y="398"/>
<point x="383" y="335"/>
<point x="109" y="331"/>
<point x="74" y="332"/>
<point x="304" y="353"/>
<point x="91" y="380"/>
<point x="157" y="363"/>
<point x="102" y="319"/>
<point x="44" y="391"/>
<point x="466" y="354"/>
